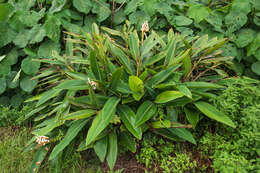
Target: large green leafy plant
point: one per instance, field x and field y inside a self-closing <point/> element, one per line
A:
<point x="111" y="88"/>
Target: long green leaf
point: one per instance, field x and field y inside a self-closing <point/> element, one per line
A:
<point x="127" y="141"/>
<point x="167" y="96"/>
<point x="100" y="148"/>
<point x="82" y="114"/>
<point x="134" y="46"/>
<point x="116" y="77"/>
<point x="192" y="117"/>
<point x="70" y="135"/>
<point x="72" y="84"/>
<point x="122" y="57"/>
<point x="211" y="112"/>
<point x="112" y="150"/>
<point x="102" y="119"/>
<point x="94" y="66"/>
<point x="203" y="85"/>
<point x="47" y="96"/>
<point x="183" y="133"/>
<point x="38" y="158"/>
<point x="127" y="115"/>
<point x="161" y="76"/>
<point x="145" y="112"/>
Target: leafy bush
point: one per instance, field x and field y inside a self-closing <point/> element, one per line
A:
<point x="116" y="90"/>
<point x="12" y="117"/>
<point x="236" y="150"/>
<point x="34" y="29"/>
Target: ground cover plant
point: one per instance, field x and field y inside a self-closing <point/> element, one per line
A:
<point x="118" y="85"/>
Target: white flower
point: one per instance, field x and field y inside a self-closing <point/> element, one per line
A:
<point x="42" y="140"/>
<point x="93" y="84"/>
<point x="145" y="27"/>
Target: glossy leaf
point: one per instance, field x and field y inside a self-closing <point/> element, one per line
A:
<point x="100" y="148"/>
<point x="128" y="117"/>
<point x="38" y="159"/>
<point x="126" y="140"/>
<point x="102" y="119"/>
<point x="145" y="112"/>
<point x="167" y="96"/>
<point x="72" y="132"/>
<point x="192" y="117"/>
<point x="116" y="77"/>
<point x="211" y="112"/>
<point x="82" y="114"/>
<point x="112" y="150"/>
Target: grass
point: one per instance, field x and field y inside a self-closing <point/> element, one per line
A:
<point x="12" y="158"/>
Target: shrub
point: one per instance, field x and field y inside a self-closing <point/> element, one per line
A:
<point x="160" y="155"/>
<point x="112" y="85"/>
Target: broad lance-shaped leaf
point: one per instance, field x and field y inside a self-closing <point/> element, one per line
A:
<point x="127" y="115"/>
<point x="161" y="76"/>
<point x="82" y="114"/>
<point x="116" y="77"/>
<point x="145" y="112"/>
<point x="102" y="119"/>
<point x="122" y="57"/>
<point x="137" y="87"/>
<point x="203" y="85"/>
<point x="112" y="150"/>
<point x="183" y="134"/>
<point x="193" y="117"/>
<point x="94" y="66"/>
<point x="100" y="148"/>
<point x="70" y="135"/>
<point x="38" y="158"/>
<point x="167" y="96"/>
<point x="213" y="113"/>
<point x="128" y="141"/>
<point x="47" y="96"/>
<point x="134" y="46"/>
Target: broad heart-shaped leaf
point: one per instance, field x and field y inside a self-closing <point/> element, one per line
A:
<point x="242" y="6"/>
<point x="137" y="87"/>
<point x="213" y="113"/>
<point x="82" y="5"/>
<point x="100" y="148"/>
<point x="102" y="119"/>
<point x="5" y="10"/>
<point x="116" y="77"/>
<point x="234" y="21"/>
<point x="256" y="67"/>
<point x="112" y="150"/>
<point x="27" y="84"/>
<point x="182" y="21"/>
<point x="56" y="6"/>
<point x="38" y="158"/>
<point x="198" y="12"/>
<point x="29" y="66"/>
<point x="5" y="68"/>
<point x="183" y="134"/>
<point x="126" y="140"/>
<point x="2" y="85"/>
<point x="12" y="57"/>
<point x="36" y="34"/>
<point x="128" y="116"/>
<point x="244" y="37"/>
<point x="52" y="28"/>
<point x="82" y="114"/>
<point x="72" y="132"/>
<point x="193" y="117"/>
<point x="145" y="112"/>
<point x="102" y="10"/>
<point x="167" y="96"/>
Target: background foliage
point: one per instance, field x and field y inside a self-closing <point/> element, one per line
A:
<point x="31" y="28"/>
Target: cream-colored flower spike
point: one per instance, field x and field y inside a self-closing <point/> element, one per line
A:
<point x="42" y="140"/>
<point x="93" y="84"/>
<point x="145" y="27"/>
